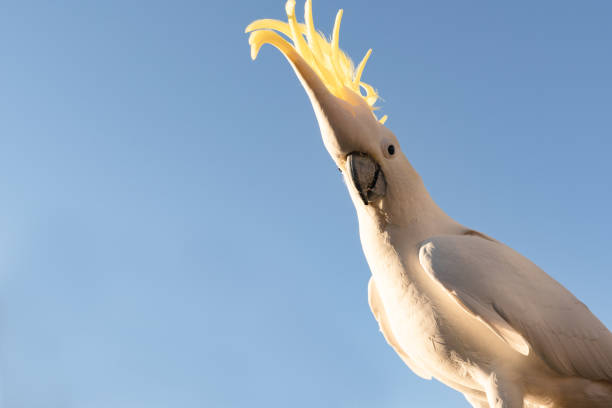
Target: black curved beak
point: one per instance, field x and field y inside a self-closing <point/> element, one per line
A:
<point x="367" y="176"/>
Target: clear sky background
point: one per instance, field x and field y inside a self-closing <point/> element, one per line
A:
<point x="174" y="234"/>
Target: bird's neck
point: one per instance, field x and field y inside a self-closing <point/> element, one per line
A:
<point x="407" y="207"/>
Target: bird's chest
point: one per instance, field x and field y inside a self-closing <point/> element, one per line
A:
<point x="413" y="313"/>
<point x="416" y="312"/>
<point x="415" y="321"/>
<point x="423" y="332"/>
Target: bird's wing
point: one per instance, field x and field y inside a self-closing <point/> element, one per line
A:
<point x="378" y="310"/>
<point x="520" y="303"/>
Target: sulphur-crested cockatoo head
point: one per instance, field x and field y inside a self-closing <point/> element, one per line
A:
<point x="381" y="181"/>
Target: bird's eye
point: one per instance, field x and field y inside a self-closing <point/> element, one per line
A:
<point x="388" y="148"/>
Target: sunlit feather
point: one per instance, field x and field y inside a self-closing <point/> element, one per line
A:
<point x="332" y="65"/>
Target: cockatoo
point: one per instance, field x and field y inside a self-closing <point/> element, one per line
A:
<point x="455" y="304"/>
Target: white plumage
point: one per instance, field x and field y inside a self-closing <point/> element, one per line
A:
<point x="520" y="303"/>
<point x="455" y="304"/>
<point x="473" y="313"/>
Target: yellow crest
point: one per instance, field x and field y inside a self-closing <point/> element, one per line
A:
<point x="332" y="65"/>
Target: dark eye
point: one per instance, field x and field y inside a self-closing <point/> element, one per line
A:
<point x="391" y="149"/>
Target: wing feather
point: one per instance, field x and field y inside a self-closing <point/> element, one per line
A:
<point x="520" y="303"/>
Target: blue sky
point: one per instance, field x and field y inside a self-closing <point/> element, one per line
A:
<point x="173" y="233"/>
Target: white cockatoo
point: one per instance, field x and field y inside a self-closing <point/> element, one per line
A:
<point x="455" y="304"/>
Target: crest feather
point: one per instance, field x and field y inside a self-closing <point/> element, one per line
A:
<point x="332" y="65"/>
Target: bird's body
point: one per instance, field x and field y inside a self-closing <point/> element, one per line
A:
<point x="437" y="339"/>
<point x="454" y="304"/>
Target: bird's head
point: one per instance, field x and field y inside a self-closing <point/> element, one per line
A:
<point x="381" y="181"/>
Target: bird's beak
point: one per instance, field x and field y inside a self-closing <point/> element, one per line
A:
<point x="367" y="177"/>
